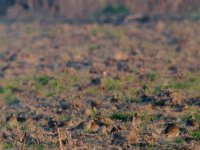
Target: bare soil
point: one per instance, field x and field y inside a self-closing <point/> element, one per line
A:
<point x="133" y="86"/>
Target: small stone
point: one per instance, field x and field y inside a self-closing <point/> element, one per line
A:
<point x="38" y="117"/>
<point x="118" y="139"/>
<point x="185" y="108"/>
<point x="64" y="123"/>
<point x="116" y="129"/>
<point x="52" y="123"/>
<point x="119" y="55"/>
<point x="6" y="135"/>
<point x="64" y="104"/>
<point x="102" y="130"/>
<point x="95" y="81"/>
<point x="59" y="110"/>
<point x="122" y="66"/>
<point x="105" y="73"/>
<point x="22" y="117"/>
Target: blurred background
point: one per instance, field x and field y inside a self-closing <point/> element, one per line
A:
<point x="101" y="11"/>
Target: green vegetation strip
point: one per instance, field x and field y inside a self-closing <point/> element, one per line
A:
<point x="121" y="116"/>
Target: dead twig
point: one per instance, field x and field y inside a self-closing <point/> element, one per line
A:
<point x="59" y="139"/>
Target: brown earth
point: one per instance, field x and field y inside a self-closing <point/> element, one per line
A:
<point x="134" y="86"/>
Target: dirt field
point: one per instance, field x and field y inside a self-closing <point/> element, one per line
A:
<point x="133" y="86"/>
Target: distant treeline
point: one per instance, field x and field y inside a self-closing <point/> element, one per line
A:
<point x="92" y="9"/>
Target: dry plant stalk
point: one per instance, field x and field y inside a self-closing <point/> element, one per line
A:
<point x="59" y="139"/>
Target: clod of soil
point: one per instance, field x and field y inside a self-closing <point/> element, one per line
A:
<point x="172" y="130"/>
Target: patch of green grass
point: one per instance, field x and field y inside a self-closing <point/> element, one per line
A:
<point x="100" y="30"/>
<point x="8" y="88"/>
<point x="91" y="91"/>
<point x="190" y="85"/>
<point x="121" y="116"/>
<point x="39" y="147"/>
<point x="48" y="31"/>
<point x="111" y="84"/>
<point x="186" y="116"/>
<point x="129" y="78"/>
<point x="119" y="94"/>
<point x="42" y="145"/>
<point x="118" y="35"/>
<point x="45" y="86"/>
<point x="95" y="114"/>
<point x="6" y="91"/>
<point x="128" y="96"/>
<point x="57" y="86"/>
<point x="157" y="90"/>
<point x="43" y="80"/>
<point x="12" y="100"/>
<point x="7" y="145"/>
<point x="115" y="10"/>
<point x="154" y="117"/>
<point x="1" y="90"/>
<point x="93" y="47"/>
<point x="132" y="93"/>
<point x="192" y="82"/>
<point x="109" y="33"/>
<point x="150" y="146"/>
<point x="197" y="116"/>
<point x="44" y="31"/>
<point x="196" y="135"/>
<point x="179" y="140"/>
<point x="144" y="116"/>
<point x="179" y="85"/>
<point x="152" y="76"/>
<point x="36" y="146"/>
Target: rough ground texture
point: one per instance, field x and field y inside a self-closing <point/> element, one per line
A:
<point x="133" y="86"/>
